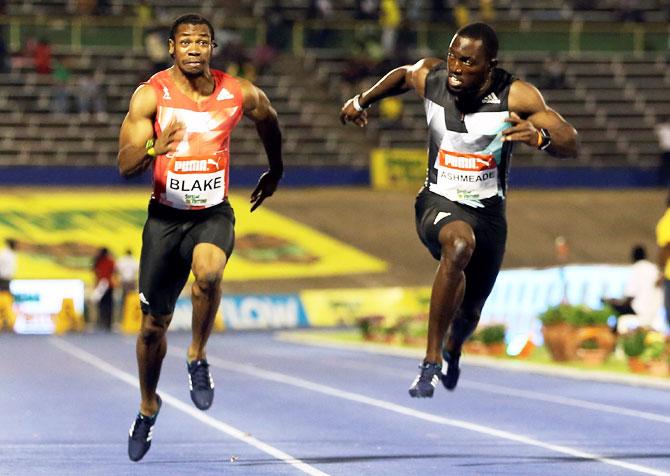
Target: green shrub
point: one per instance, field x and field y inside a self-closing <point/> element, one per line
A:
<point x="492" y="334"/>
<point x="653" y="351"/>
<point x="553" y="315"/>
<point x="578" y="316"/>
<point x="633" y="342"/>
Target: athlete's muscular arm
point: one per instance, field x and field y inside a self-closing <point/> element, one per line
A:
<point x="138" y="128"/>
<point x="257" y="107"/>
<point x="395" y="82"/>
<point x="529" y="114"/>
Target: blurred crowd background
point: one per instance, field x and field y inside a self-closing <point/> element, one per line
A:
<point x="68" y="68"/>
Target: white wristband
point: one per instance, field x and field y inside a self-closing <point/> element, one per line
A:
<point x="357" y="105"/>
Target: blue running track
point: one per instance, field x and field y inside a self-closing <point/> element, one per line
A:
<point x="283" y="408"/>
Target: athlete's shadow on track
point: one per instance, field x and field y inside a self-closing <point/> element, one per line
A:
<point x="477" y="459"/>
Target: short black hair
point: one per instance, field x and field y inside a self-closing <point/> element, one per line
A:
<point x="638" y="253"/>
<point x="484" y="32"/>
<point x="191" y="19"/>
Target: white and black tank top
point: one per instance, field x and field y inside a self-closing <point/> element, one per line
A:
<point x="467" y="160"/>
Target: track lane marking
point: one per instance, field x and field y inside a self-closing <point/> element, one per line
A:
<point x="108" y="368"/>
<point x="257" y="372"/>
<point x="527" y="394"/>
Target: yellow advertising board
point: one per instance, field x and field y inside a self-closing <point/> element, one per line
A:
<point x="59" y="232"/>
<point x="343" y="307"/>
<point x="397" y="169"/>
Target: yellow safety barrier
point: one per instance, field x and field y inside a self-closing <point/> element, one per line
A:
<point x="7" y="316"/>
<point x="131" y="321"/>
<point x="67" y="320"/>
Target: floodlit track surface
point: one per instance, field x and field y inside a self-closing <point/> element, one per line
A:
<point x="287" y="408"/>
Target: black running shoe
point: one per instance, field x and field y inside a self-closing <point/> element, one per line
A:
<point x="201" y="384"/>
<point x="453" y="371"/>
<point x="424" y="384"/>
<point x="141" y="431"/>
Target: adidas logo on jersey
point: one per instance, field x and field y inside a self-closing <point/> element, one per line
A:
<point x="491" y="99"/>
<point x="224" y="94"/>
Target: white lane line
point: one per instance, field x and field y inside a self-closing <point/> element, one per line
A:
<point x="188" y="409"/>
<point x="661" y="383"/>
<point x="509" y="391"/>
<point x="256" y="372"/>
<point x="573" y="402"/>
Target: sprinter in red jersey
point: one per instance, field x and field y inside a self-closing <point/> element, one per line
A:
<point x="179" y="124"/>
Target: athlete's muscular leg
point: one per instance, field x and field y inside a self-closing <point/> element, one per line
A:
<point x="462" y="327"/>
<point x="151" y="347"/>
<point x="208" y="264"/>
<point x="457" y="240"/>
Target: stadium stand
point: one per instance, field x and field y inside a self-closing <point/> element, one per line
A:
<point x="613" y="96"/>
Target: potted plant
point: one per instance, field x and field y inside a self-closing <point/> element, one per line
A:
<point x="654" y="355"/>
<point x="633" y="346"/>
<point x="474" y="345"/>
<point x="493" y="337"/>
<point x="590" y="352"/>
<point x="558" y="333"/>
<point x="370" y="327"/>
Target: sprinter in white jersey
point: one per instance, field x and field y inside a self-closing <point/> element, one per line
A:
<point x="475" y="114"/>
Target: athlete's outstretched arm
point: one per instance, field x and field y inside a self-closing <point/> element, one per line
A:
<point x="257" y="107"/>
<point x="530" y="114"/>
<point x="137" y="128"/>
<point x="395" y="82"/>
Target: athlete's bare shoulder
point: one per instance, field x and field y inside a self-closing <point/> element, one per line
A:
<point x="524" y="98"/>
<point x="143" y="102"/>
<point x="417" y="73"/>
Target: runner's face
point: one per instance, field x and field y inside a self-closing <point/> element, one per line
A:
<point x="469" y="68"/>
<point x="192" y="49"/>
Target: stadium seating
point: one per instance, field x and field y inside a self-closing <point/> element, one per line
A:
<point x="614" y="99"/>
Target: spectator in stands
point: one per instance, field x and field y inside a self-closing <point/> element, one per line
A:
<point x="367" y="9"/>
<point x="103" y="294"/>
<point x="390" y="113"/>
<point x="91" y="97"/>
<point x="440" y="12"/>
<point x="127" y="268"/>
<point x="61" y="92"/>
<point x="487" y="11"/>
<point x="460" y="213"/>
<point x="102" y="8"/>
<point x="41" y="52"/>
<point x="389" y="20"/>
<point x="154" y="45"/>
<point x="642" y="295"/>
<point x="415" y="11"/>
<point x="461" y="14"/>
<point x="278" y="27"/>
<point x="662" y="130"/>
<point x="318" y="33"/>
<point x="143" y="12"/>
<point x="629" y="11"/>
<point x="663" y="242"/>
<point x="5" y="65"/>
<point x="552" y="75"/>
<point x="7" y="263"/>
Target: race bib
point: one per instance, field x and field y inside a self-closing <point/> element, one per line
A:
<point x="465" y="176"/>
<point x="196" y="183"/>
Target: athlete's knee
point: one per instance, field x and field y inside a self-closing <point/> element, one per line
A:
<point x="154" y="328"/>
<point x="207" y="282"/>
<point x="457" y="250"/>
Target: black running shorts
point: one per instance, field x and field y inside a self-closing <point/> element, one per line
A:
<point x="168" y="240"/>
<point x="490" y="227"/>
